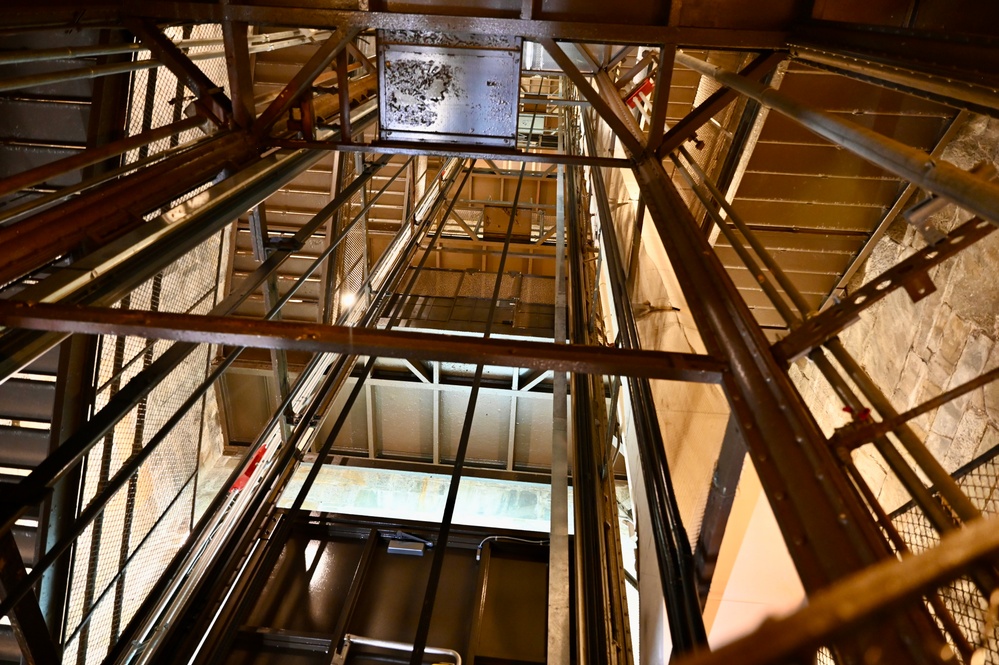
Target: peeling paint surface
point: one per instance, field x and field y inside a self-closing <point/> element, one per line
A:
<point x="449" y="88"/>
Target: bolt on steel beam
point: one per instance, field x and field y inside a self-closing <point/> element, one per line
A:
<point x="829" y="532"/>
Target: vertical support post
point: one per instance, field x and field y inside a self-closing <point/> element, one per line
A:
<point x="828" y="530"/>
<point x="237" y="60"/>
<point x="343" y="92"/>
<point x="37" y="646"/>
<point x="559" y="647"/>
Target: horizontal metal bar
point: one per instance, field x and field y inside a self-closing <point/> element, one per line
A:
<point x="595" y="31"/>
<point x="350" y="639"/>
<point x="316" y="338"/>
<point x="462" y="151"/>
<point x="263" y="42"/>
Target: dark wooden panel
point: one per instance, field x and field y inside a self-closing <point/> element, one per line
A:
<point x="817" y="189"/>
<point x="812" y="160"/>
<point x="818" y="216"/>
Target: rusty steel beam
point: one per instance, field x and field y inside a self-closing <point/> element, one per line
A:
<point x="343" y="94"/>
<point x="237" y="62"/>
<point x="317" y="338"/>
<point x="302" y="80"/>
<point x="828" y="530"/>
<point x="604" y="107"/>
<point x="604" y="32"/>
<point x="911" y="274"/>
<point x="955" y="67"/>
<point x="110" y="210"/>
<point x="660" y="103"/>
<point x="211" y="100"/>
<point x="710" y="107"/>
<point x="457" y="150"/>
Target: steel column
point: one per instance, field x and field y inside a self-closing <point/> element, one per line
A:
<point x="828" y="531"/>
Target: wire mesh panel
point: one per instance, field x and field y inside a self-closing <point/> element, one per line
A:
<point x="964" y="600"/>
<point x="159" y="99"/>
<point x="124" y="551"/>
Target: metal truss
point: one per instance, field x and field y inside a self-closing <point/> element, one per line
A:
<point x="839" y="547"/>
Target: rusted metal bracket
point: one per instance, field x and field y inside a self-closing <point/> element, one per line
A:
<point x="911" y="274"/>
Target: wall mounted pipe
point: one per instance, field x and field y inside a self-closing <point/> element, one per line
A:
<point x="98" y="71"/>
<point x="265" y="42"/>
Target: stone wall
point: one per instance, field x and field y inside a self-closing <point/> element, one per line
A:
<point x="915" y="351"/>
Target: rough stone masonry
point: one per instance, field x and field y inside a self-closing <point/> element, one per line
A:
<point x="915" y="351"/>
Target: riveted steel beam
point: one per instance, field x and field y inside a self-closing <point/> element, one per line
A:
<point x="604" y="32"/>
<point x="311" y="337"/>
<point x="828" y="530"/>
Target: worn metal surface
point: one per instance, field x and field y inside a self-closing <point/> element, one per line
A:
<point x="308" y="337"/>
<point x="766" y="31"/>
<point x="468" y="151"/>
<point x="448" y="88"/>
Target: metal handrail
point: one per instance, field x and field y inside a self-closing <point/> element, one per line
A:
<point x="341" y="656"/>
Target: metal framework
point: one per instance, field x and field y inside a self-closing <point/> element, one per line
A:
<point x="85" y="233"/>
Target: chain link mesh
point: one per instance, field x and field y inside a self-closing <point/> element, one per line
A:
<point x="964" y="600"/>
<point x="159" y="99"/>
